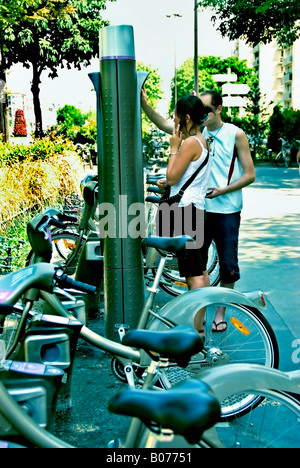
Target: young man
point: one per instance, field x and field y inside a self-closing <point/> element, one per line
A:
<point x="232" y="170"/>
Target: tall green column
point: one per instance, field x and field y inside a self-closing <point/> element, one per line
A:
<point x="120" y="164"/>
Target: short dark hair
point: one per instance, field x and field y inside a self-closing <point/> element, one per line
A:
<point x="216" y="98"/>
<point x="194" y="107"/>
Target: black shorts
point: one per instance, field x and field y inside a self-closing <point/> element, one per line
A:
<point x="224" y="230"/>
<point x="178" y="221"/>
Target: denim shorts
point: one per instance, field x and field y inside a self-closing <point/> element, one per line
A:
<point x="224" y="230"/>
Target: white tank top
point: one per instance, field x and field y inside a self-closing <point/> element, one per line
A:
<point x="222" y="148"/>
<point x="196" y="191"/>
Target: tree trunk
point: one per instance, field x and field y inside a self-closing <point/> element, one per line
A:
<point x="35" y="89"/>
<point x="4" y="119"/>
<point x="4" y="110"/>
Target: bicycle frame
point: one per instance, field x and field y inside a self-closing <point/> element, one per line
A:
<point x="40" y="277"/>
<point x="223" y="380"/>
<point x="192" y="300"/>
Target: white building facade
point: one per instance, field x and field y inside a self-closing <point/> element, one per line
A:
<point x="278" y="71"/>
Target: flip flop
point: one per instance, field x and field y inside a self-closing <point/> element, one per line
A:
<point x="216" y="330"/>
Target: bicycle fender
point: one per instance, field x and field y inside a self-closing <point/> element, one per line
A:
<point x="240" y="378"/>
<point x="183" y="308"/>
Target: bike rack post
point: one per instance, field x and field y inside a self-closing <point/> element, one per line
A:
<point x="120" y="168"/>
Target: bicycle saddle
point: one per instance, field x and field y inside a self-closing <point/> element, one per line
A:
<point x="155" y="190"/>
<point x="153" y="178"/>
<point x="152" y="199"/>
<point x="179" y="343"/>
<point x="169" y="244"/>
<point x="188" y="409"/>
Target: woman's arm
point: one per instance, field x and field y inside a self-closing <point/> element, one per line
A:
<point x="154" y="116"/>
<point x="185" y="153"/>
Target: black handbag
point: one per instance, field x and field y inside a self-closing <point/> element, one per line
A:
<point x="165" y="198"/>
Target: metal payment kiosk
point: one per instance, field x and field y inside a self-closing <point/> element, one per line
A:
<point x="120" y="170"/>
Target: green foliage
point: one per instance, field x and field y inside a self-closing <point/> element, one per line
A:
<point x="47" y="35"/>
<point x="76" y="125"/>
<point x="154" y="92"/>
<point x="53" y="33"/>
<point x="209" y="66"/>
<point x="32" y="177"/>
<point x="256" y="21"/>
<point x="39" y="149"/>
<point x="70" y="115"/>
<point x="283" y="124"/>
<point x="153" y="83"/>
<point x="36" y="174"/>
<point x="254" y="122"/>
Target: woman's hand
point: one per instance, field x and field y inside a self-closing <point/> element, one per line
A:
<point x="176" y="140"/>
<point x="144" y="99"/>
<point x="162" y="184"/>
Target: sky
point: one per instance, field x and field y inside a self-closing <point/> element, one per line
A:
<point x="156" y="40"/>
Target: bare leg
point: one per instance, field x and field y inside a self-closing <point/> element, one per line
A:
<point x="195" y="282"/>
<point x="220" y="312"/>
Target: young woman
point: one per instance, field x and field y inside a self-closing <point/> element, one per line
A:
<point x="188" y="152"/>
<point x="224" y="202"/>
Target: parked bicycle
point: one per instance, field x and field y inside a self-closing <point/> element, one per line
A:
<point x="249" y="337"/>
<point x="69" y="243"/>
<point x="283" y="158"/>
<point x="182" y="417"/>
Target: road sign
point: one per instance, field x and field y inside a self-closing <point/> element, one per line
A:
<point x="235" y="88"/>
<point x="234" y="101"/>
<point x="225" y="78"/>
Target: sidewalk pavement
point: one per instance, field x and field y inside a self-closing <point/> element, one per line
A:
<point x="269" y="251"/>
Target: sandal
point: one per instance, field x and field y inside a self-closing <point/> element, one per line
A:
<point x="217" y="330"/>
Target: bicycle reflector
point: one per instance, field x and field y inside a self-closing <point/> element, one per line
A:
<point x="240" y="327"/>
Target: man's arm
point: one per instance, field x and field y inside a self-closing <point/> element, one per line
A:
<point x="244" y="155"/>
<point x="163" y="124"/>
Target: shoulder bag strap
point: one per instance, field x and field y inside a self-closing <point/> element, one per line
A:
<point x="193" y="177"/>
<point x="231" y="169"/>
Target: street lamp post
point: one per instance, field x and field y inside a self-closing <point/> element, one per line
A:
<point x="196" y="71"/>
<point x="175" y="15"/>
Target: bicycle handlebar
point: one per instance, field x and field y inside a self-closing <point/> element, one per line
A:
<point x="285" y="142"/>
<point x="59" y="221"/>
<point x="64" y="281"/>
<point x="41" y="276"/>
<point x="56" y="223"/>
<point x="68" y="218"/>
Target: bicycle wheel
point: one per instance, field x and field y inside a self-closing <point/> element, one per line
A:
<point x="64" y="245"/>
<point x="174" y="284"/>
<point x="279" y="160"/>
<point x="274" y="423"/>
<point x="248" y="339"/>
<point x="287" y="158"/>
